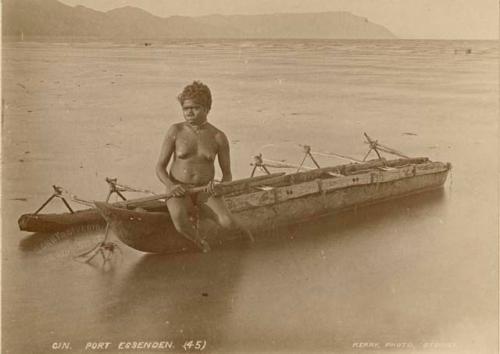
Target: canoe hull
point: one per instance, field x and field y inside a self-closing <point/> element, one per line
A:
<point x="128" y="224"/>
<point x="285" y="205"/>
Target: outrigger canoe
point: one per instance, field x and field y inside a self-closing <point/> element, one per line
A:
<point x="282" y="200"/>
<point x="56" y="222"/>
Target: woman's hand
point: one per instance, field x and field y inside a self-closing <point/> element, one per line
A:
<point x="176" y="190"/>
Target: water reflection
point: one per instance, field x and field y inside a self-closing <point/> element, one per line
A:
<point x="343" y="278"/>
<point x="177" y="297"/>
<point x="215" y="296"/>
<point x="78" y="239"/>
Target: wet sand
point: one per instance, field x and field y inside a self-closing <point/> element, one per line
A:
<point x="421" y="270"/>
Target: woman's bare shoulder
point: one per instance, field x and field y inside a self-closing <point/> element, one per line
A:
<point x="215" y="130"/>
<point x="219" y="135"/>
<point x="175" y="128"/>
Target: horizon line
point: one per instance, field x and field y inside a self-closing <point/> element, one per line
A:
<point x="10" y="36"/>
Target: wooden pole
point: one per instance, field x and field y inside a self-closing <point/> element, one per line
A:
<point x="314" y="160"/>
<point x="373" y="146"/>
<point x="221" y="189"/>
<point x="376" y="145"/>
<point x="331" y="154"/>
<point x="285" y="165"/>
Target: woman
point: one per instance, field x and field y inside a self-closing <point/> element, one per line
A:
<point x="191" y="148"/>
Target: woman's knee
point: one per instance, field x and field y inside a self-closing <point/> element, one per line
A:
<point x="227" y="222"/>
<point x="180" y="217"/>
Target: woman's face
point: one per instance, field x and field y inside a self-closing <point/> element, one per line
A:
<point x="194" y="113"/>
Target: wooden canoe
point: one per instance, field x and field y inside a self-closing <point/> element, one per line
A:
<point x="46" y="223"/>
<point x="287" y="199"/>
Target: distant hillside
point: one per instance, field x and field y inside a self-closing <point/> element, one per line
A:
<point x="53" y="19"/>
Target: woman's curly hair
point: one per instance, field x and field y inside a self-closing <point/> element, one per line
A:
<point x="198" y="92"/>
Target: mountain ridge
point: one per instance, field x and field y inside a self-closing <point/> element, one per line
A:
<point x="52" y="18"/>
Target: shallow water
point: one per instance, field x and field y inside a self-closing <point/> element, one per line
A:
<point x="419" y="270"/>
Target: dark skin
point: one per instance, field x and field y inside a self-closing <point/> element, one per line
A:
<point x="194" y="145"/>
<point x="190" y="148"/>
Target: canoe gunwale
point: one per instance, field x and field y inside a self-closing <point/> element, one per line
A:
<point x="328" y="185"/>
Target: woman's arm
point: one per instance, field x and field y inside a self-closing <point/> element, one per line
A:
<point x="224" y="157"/>
<point x="167" y="149"/>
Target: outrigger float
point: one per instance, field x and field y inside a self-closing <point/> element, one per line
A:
<point x="260" y="203"/>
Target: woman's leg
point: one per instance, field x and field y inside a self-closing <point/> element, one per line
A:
<point x="178" y="208"/>
<point x="219" y="212"/>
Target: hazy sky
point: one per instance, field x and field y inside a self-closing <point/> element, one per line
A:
<point x="443" y="19"/>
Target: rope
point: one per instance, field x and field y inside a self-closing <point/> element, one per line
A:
<point x="76" y="199"/>
<point x="391" y="151"/>
<point x="279" y="164"/>
<point x="374" y="145"/>
<point x="126" y="188"/>
<point x="332" y="154"/>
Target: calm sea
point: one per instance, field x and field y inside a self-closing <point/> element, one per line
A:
<point x="419" y="273"/>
